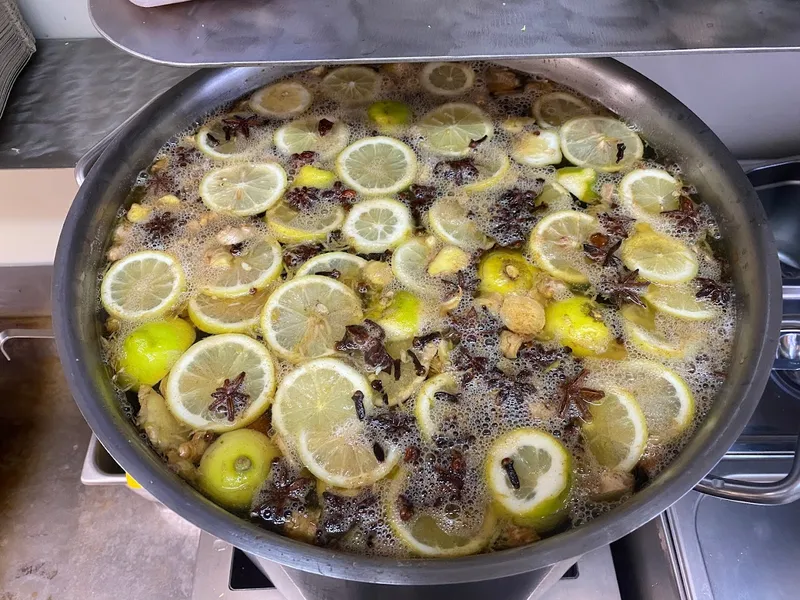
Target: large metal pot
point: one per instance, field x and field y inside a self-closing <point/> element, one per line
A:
<point x="663" y="121"/>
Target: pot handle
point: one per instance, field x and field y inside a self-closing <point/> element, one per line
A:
<point x="778" y="492"/>
<point x="86" y="162"/>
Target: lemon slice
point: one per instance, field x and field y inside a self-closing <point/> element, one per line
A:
<point x="348" y="265"/>
<point x="616" y="435"/>
<point x="449" y="221"/>
<point x="664" y="397"/>
<point x="281" y="100"/>
<point x="142" y="285"/>
<point x="377" y="165"/>
<point x="658" y="258"/>
<point x="204" y="367"/>
<point x="649" y="192"/>
<point x="291" y="226"/>
<point x="598" y="142"/>
<point x="243" y="190"/>
<point x="306" y="316"/>
<point x="317" y="397"/>
<point x="213" y="140"/>
<point x="352" y="85"/>
<point x="410" y="265"/>
<point x="579" y="182"/>
<point x="345" y="457"/>
<point x="377" y="225"/>
<point x="227" y="315"/>
<point x="447" y="78"/>
<point x="258" y="263"/>
<point x="303" y="134"/>
<point x="427" y="533"/>
<point x="639" y="325"/>
<point x="556" y="108"/>
<point x="555" y="196"/>
<point x="543" y="467"/>
<point x="493" y="167"/>
<point x="451" y="127"/>
<point x="429" y="411"/>
<point x="557" y="241"/>
<point x="679" y="301"/>
<point x="536" y="149"/>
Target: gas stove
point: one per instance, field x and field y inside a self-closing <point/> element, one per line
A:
<point x="700" y="548"/>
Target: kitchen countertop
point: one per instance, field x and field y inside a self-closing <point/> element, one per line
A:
<point x="59" y="539"/>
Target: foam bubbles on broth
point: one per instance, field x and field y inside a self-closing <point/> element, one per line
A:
<point x="481" y="416"/>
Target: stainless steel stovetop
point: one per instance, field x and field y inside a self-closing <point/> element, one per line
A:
<point x="701" y="548"/>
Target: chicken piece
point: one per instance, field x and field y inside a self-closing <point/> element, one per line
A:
<point x="500" y="80"/>
<point x="194" y="449"/>
<point x="514" y="536"/>
<point x="218" y="257"/>
<point x="550" y="287"/>
<point x="610" y="485"/>
<point x="542" y="411"/>
<point x="493" y="301"/>
<point x="511" y="342"/>
<point x="138" y="213"/>
<point x="234" y="235"/>
<point x="448" y="261"/>
<point x="378" y="274"/>
<point x="115" y="253"/>
<point x="451" y="300"/>
<point x="303" y="525"/>
<point x="163" y="430"/>
<point x="522" y="314"/>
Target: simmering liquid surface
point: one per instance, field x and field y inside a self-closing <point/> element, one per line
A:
<point x="609" y="331"/>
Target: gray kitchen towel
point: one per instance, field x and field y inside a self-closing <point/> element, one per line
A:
<point x="17" y="45"/>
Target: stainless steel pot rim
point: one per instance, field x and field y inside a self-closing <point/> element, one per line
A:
<point x="678" y="478"/>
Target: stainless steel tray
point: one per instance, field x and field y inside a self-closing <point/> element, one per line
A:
<point x="248" y="32"/>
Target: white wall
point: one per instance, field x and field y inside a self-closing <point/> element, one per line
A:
<point x="752" y="101"/>
<point x="58" y="18"/>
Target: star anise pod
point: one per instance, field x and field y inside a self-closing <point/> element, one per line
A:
<point x="515" y="214"/>
<point x="340" y="514"/>
<point x="338" y="193"/>
<point x="235" y="124"/>
<point x="160" y="226"/>
<point x="713" y="290"/>
<point x="302" y="198"/>
<point x="626" y="290"/>
<point x="282" y="493"/>
<point x="301" y="159"/>
<point x="601" y="250"/>
<point x="419" y="199"/>
<point x="368" y="338"/>
<point x="539" y="356"/>
<point x="459" y="171"/>
<point x="616" y="225"/>
<point x="229" y="399"/>
<point x="574" y="394"/>
<point x="160" y="182"/>
<point x="686" y="215"/>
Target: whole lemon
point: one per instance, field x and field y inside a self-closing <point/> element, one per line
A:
<point x="389" y="114"/>
<point x="235" y="466"/>
<point x="505" y="272"/>
<point x="150" y="350"/>
<point x="577" y="323"/>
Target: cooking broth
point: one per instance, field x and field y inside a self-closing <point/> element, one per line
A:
<point x="539" y="328"/>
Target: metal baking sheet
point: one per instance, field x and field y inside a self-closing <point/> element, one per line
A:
<point x="247" y="32"/>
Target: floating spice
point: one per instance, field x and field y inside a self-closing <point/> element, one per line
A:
<point x="229" y="398"/>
